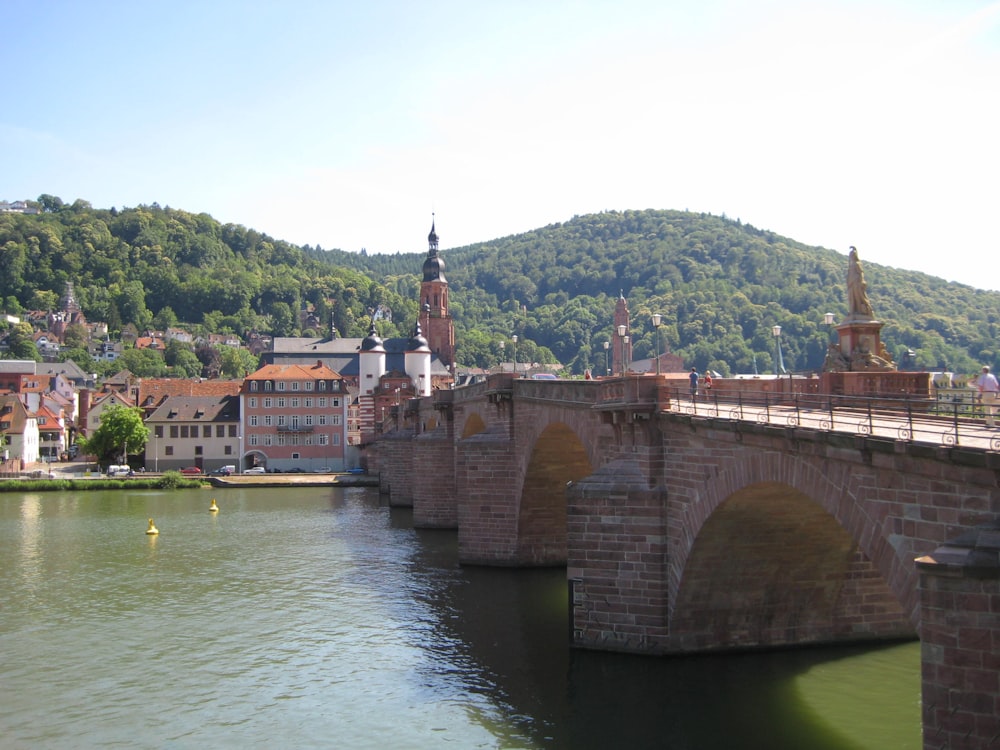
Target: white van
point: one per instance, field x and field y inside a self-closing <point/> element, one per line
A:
<point x="119" y="470"/>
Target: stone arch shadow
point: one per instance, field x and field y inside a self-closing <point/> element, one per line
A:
<point x="775" y="554"/>
<point x="473" y="425"/>
<point x="557" y="458"/>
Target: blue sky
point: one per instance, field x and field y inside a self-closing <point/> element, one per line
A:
<point x="870" y="123"/>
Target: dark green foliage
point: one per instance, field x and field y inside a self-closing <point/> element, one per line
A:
<point x="151" y="264"/>
<point x="720" y="285"/>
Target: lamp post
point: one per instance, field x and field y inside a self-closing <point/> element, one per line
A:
<point x="514" y="341"/>
<point x="621" y="335"/>
<point x="657" y="320"/>
<point x="502" y="346"/>
<point x="828" y="322"/>
<point x="776" y="332"/>
<point x="607" y="366"/>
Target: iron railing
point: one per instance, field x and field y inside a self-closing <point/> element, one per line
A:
<point x="903" y="417"/>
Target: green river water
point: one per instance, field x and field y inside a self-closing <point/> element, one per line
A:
<point x="316" y="618"/>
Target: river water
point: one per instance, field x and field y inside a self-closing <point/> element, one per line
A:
<point x="316" y="618"/>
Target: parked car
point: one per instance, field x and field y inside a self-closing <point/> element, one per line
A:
<point x="295" y="470"/>
<point x="224" y="471"/>
<point x="357" y="470"/>
<point x="544" y="376"/>
<point x="191" y="470"/>
<point x="255" y="470"/>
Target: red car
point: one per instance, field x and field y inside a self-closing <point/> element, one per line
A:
<point x="191" y="470"/>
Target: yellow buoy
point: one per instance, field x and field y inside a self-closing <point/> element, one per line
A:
<point x="213" y="507"/>
<point x="152" y="528"/>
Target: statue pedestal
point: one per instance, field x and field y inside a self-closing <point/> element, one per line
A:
<point x="860" y="348"/>
<point x="860" y="337"/>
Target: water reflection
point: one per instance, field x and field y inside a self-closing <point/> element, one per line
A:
<point x="319" y="619"/>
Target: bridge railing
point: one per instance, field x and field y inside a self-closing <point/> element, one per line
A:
<point x="904" y="417"/>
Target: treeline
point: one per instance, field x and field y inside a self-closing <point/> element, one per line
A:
<point x="155" y="266"/>
<point x="720" y="284"/>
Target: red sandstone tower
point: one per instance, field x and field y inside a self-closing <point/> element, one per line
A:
<point x="435" y="320"/>
<point x="622" y="352"/>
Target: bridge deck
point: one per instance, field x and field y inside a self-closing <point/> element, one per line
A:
<point x="859" y="416"/>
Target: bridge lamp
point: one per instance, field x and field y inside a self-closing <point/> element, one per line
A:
<point x="621" y="335"/>
<point x="607" y="368"/>
<point x="514" y="340"/>
<point x="828" y="322"/>
<point x="657" y="320"/>
<point x="776" y="332"/>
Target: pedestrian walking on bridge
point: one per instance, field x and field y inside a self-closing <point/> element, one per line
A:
<point x="988" y="389"/>
<point x="693" y="377"/>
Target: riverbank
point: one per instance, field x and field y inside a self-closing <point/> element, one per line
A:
<point x="80" y="476"/>
<point x="294" y="480"/>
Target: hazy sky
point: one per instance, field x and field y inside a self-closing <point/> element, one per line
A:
<point x="873" y="123"/>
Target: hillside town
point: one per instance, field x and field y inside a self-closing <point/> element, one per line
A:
<point x="308" y="407"/>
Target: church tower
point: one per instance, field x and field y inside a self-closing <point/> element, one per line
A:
<point x="622" y="354"/>
<point x="435" y="318"/>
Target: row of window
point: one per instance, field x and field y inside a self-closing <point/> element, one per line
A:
<point x="192" y="431"/>
<point x="296" y="420"/>
<point x="198" y="450"/>
<point x="294" y="402"/>
<point x="294" y="439"/>
<point x="294" y="385"/>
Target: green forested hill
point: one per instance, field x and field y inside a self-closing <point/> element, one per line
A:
<point x="720" y="285"/>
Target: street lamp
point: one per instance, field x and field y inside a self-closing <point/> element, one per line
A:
<point x="621" y="335"/>
<point x="778" y="363"/>
<point x="607" y="366"/>
<point x="514" y="340"/>
<point x="657" y="320"/>
<point x="828" y="322"/>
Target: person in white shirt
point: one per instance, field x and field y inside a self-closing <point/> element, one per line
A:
<point x="988" y="389"/>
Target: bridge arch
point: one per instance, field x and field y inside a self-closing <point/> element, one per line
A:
<point x="473" y="425"/>
<point x="558" y="458"/>
<point x="794" y="551"/>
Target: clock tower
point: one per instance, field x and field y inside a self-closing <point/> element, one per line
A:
<point x="435" y="318"/>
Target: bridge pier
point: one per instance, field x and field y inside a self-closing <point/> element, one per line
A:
<point x="392" y="457"/>
<point x="435" y="504"/>
<point x="617" y="560"/>
<point x="960" y="641"/>
<point x="488" y="483"/>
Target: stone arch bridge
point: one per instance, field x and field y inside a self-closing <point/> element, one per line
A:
<point x="684" y="533"/>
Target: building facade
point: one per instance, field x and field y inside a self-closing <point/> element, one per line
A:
<point x="294" y="417"/>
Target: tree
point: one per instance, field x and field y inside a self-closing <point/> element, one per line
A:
<point x="120" y="433"/>
<point x="75" y="336"/>
<point x="185" y="364"/>
<point x="236" y="362"/>
<point x="143" y="363"/>
<point x="22" y="343"/>
<point x="165" y="318"/>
